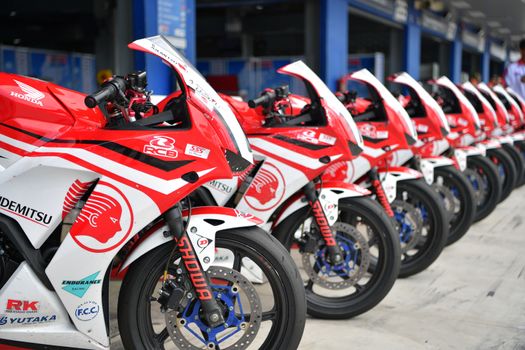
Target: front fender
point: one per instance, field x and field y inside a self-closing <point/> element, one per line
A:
<point x="204" y="223"/>
<point x="518" y="136"/>
<point x="330" y="194"/>
<point x="391" y="176"/>
<point x="427" y="166"/>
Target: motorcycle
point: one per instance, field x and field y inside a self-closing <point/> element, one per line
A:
<point x="516" y="121"/>
<point x="435" y="159"/>
<point x="519" y="135"/>
<point x="86" y="181"/>
<point x="388" y="134"/>
<point x="334" y="231"/>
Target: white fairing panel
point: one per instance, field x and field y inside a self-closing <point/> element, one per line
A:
<point x="487" y="107"/>
<point x="34" y="314"/>
<point x="223" y="189"/>
<point x="300" y="69"/>
<point x="445" y="82"/>
<point x="389" y="180"/>
<point x="430" y="102"/>
<point x="429" y="164"/>
<point x="389" y="99"/>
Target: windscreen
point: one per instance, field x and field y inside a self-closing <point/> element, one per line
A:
<point x="301" y="70"/>
<point x="430" y="102"/>
<point x="487" y="107"/>
<point x="200" y="89"/>
<point x="367" y="77"/>
<point x="445" y="82"/>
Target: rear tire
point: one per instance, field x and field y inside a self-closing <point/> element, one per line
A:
<point x="383" y="274"/>
<point x="428" y="247"/>
<point x="284" y="282"/>
<point x="506" y="170"/>
<point x="461" y="188"/>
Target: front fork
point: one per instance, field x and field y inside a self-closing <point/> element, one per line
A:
<point x="380" y="192"/>
<point x="328" y="236"/>
<point x="199" y="281"/>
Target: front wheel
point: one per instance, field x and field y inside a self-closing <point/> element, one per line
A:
<point x="370" y="247"/>
<point x="422" y="225"/>
<point x="506" y="170"/>
<point x="519" y="161"/>
<point x="483" y="176"/>
<point x="265" y="315"/>
<point x="459" y="198"/>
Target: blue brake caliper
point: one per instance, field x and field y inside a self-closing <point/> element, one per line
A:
<point x="343" y="268"/>
<point x="229" y="298"/>
<point x="405" y="230"/>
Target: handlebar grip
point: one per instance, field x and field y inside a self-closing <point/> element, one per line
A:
<point x="264" y="99"/>
<point x="109" y="91"/>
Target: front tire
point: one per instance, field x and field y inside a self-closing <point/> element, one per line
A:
<point x="283" y="321"/>
<point x="463" y="207"/>
<point x="422" y="225"/>
<point x="517" y="157"/>
<point x="506" y="170"/>
<point x="325" y="295"/>
<point x="483" y="176"/>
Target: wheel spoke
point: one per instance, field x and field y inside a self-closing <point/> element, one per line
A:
<point x="237" y="261"/>
<point x="269" y="315"/>
<point x="373" y="241"/>
<point x="309" y="285"/>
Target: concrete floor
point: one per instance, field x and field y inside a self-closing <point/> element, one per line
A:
<point x="473" y="297"/>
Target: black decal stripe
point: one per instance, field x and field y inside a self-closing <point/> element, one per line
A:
<point x="369" y="139"/>
<point x="115" y="147"/>
<point x="300" y="143"/>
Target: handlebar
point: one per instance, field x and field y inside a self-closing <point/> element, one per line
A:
<point x="264" y="100"/>
<point x="109" y="91"/>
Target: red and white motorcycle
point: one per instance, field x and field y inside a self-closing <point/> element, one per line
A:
<point x="83" y="188"/>
<point x="341" y="239"/>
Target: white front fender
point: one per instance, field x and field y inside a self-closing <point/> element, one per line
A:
<point x="389" y="179"/>
<point x="428" y="165"/>
<point x="204" y="223"/>
<point x="329" y="196"/>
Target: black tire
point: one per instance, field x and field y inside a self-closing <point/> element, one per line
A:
<point x="520" y="147"/>
<point x="490" y="188"/>
<point x="355" y="211"/>
<point x="428" y="247"/>
<point x="134" y="314"/>
<point x="519" y="162"/>
<point x="506" y="170"/>
<point x="465" y="208"/>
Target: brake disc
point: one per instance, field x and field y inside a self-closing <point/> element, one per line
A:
<point x="192" y="333"/>
<point x="448" y="197"/>
<point x="356" y="255"/>
<point x="411" y="217"/>
<point x="479" y="190"/>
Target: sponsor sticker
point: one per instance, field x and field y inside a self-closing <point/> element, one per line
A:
<point x="26" y="320"/>
<point x="25" y="212"/>
<point x="80" y="287"/>
<point x="197" y="151"/>
<point x="87" y="311"/>
<point x="327" y="139"/>
<point x="21" y="306"/>
<point x="221" y="187"/>
<point x="162" y="146"/>
<point x="266" y="189"/>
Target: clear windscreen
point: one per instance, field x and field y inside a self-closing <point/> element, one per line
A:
<point x="430" y="102"/>
<point x="301" y="70"/>
<point x="200" y="89"/>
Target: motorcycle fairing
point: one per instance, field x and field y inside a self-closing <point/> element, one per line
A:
<point x="515" y="110"/>
<point x="501" y="111"/>
<point x="489" y="117"/>
<point x="392" y="175"/>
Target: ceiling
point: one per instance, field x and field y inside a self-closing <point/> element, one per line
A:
<point x="501" y="18"/>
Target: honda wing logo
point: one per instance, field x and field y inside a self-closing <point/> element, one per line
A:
<point x="30" y="93"/>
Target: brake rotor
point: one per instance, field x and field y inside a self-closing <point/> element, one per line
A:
<point x="448" y="197"/>
<point x="189" y="331"/>
<point x="355" y="249"/>
<point x="413" y="220"/>
<point x="479" y="190"/>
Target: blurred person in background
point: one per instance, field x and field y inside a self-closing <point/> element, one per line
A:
<point x="515" y="73"/>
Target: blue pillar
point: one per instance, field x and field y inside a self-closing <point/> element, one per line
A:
<point x="412" y="54"/>
<point x="176" y="19"/>
<point x="485" y="62"/>
<point x="333" y="41"/>
<point x="455" y="59"/>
